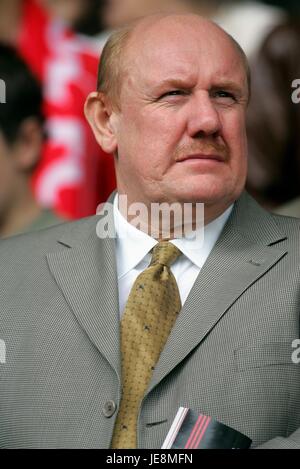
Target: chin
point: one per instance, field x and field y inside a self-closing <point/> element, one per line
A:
<point x="210" y="191"/>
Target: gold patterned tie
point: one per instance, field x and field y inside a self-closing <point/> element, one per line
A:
<point x="150" y="313"/>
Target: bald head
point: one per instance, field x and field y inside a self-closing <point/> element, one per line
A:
<point x="129" y="42"/>
<point x="176" y="120"/>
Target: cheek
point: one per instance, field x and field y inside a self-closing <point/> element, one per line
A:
<point x="153" y="135"/>
<point x="164" y="132"/>
<point x="234" y="133"/>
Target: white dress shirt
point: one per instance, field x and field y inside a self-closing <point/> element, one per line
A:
<point x="133" y="254"/>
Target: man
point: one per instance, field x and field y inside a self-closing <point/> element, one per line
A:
<point x="170" y="106"/>
<point x="21" y="138"/>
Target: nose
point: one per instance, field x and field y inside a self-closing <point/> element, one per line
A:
<point x="203" y="119"/>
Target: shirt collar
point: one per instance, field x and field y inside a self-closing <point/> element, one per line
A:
<point x="197" y="251"/>
<point x="132" y="244"/>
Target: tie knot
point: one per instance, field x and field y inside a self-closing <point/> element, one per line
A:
<point x="165" y="253"/>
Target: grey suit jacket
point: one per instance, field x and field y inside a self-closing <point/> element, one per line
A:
<point x="229" y="354"/>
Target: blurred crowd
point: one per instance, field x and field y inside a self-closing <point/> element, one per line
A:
<point x="51" y="168"/>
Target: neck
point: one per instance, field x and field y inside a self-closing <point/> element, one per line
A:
<point x="170" y="220"/>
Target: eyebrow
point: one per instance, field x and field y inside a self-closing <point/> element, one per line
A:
<point x="175" y="83"/>
<point x="187" y="84"/>
<point x="228" y="84"/>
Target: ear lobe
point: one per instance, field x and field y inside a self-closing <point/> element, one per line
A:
<point x="100" y="116"/>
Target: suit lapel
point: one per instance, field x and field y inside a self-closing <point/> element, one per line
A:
<point x="243" y="253"/>
<point x="86" y="274"/>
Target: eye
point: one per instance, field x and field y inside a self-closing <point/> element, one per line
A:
<point x="222" y="94"/>
<point x="173" y="93"/>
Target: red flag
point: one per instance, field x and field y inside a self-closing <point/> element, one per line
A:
<point x="74" y="174"/>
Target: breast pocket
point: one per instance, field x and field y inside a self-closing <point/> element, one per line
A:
<point x="264" y="355"/>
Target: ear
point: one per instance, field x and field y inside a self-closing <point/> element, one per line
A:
<point x="102" y="119"/>
<point x="28" y="145"/>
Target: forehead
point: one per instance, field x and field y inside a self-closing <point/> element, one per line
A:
<point x="186" y="51"/>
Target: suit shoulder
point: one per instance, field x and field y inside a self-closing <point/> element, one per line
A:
<point x="45" y="240"/>
<point x="290" y="226"/>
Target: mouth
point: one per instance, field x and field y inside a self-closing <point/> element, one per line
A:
<point x="202" y="156"/>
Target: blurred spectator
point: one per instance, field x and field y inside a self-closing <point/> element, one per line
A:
<point x="83" y="16"/>
<point x="247" y="21"/>
<point x="69" y="11"/>
<point x="74" y="175"/>
<point x="21" y="138"/>
<point x="274" y="121"/>
<point x="115" y="13"/>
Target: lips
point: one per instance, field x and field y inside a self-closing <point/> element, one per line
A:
<point x="202" y="156"/>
